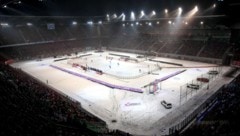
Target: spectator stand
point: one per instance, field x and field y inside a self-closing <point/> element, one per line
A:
<point x="221" y="118"/>
<point x="53" y="112"/>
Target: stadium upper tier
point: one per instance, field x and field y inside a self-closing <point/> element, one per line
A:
<point x="201" y="37"/>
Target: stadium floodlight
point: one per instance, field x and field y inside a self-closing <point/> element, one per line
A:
<point x="191" y="13"/>
<point x="90" y="22"/>
<point x="4" y="6"/>
<point x="4" y="24"/>
<point x="196" y="8"/>
<point x="19" y="2"/>
<point x="201" y="23"/>
<point x="108" y="18"/>
<point x="179" y="11"/>
<point x="166" y="11"/>
<point x="29" y="24"/>
<point x="169" y="22"/>
<point x="157" y="22"/>
<point x="214" y="5"/>
<point x="150" y="24"/>
<point x="137" y="23"/>
<point x="132" y="24"/>
<point x="100" y="22"/>
<point x="142" y="14"/>
<point x="114" y="15"/>
<point x="123" y="16"/>
<point x="153" y="13"/>
<point x="132" y="16"/>
<point x="186" y="23"/>
<point x="74" y="23"/>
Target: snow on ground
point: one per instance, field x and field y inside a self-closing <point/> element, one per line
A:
<point x="135" y="113"/>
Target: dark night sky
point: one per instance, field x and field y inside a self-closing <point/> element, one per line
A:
<point x="100" y="7"/>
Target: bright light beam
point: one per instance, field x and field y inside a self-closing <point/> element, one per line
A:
<point x="153" y="13"/>
<point x="142" y="14"/>
<point x="108" y="18"/>
<point x="196" y="8"/>
<point x="191" y="13"/>
<point x="132" y="16"/>
<point x="123" y="16"/>
<point x="166" y="11"/>
<point x="214" y="5"/>
<point x="114" y="15"/>
<point x="179" y="11"/>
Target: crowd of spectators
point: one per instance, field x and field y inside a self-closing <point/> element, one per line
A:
<point x="158" y="38"/>
<point x="44" y="50"/>
<point x="215" y="48"/>
<point x="189" y="47"/>
<point x="223" y="119"/>
<point x="30" y="108"/>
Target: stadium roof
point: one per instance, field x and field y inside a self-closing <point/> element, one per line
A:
<point x="103" y="7"/>
<point x="97" y="7"/>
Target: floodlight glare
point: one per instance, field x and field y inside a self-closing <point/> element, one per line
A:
<point x="214" y="5"/>
<point x="179" y="11"/>
<point x="123" y="17"/>
<point x="29" y="24"/>
<point x="196" y="8"/>
<point x="4" y="24"/>
<point x="90" y="22"/>
<point x="158" y="22"/>
<point x="74" y="23"/>
<point x="150" y="24"/>
<point x="201" y="22"/>
<point x="137" y="23"/>
<point x="108" y="18"/>
<point x="132" y="16"/>
<point x="142" y="14"/>
<point x="153" y="13"/>
<point x="166" y="11"/>
<point x="114" y="15"/>
<point x="169" y="22"/>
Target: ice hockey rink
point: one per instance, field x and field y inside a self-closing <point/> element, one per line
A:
<point x="130" y="88"/>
